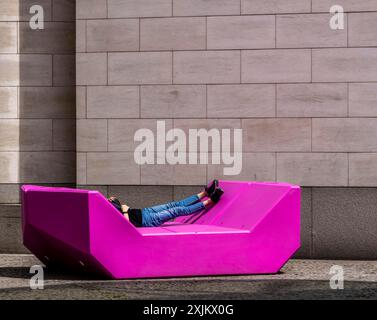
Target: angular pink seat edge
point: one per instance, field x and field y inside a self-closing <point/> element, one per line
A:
<point x="255" y="229"/>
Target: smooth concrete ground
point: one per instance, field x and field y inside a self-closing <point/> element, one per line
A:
<point x="299" y="279"/>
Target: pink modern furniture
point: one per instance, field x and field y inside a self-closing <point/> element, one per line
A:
<point x="254" y="229"/>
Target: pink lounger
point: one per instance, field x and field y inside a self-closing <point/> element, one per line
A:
<point x="254" y="229"/>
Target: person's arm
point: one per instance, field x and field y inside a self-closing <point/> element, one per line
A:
<point x="125" y="209"/>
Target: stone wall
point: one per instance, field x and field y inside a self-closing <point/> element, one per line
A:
<point x="304" y="95"/>
<point x="37" y="106"/>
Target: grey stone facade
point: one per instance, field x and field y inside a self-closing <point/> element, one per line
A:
<point x="304" y="95"/>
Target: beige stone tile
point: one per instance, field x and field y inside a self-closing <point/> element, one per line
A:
<point x="8" y="102"/>
<point x="232" y="101"/>
<point x="363" y="169"/>
<point x="91" y="135"/>
<point x="47" y="102"/>
<point x="241" y="32"/>
<point x="272" y="66"/>
<point x="81" y="168"/>
<point x="81" y="102"/>
<point x="56" y="37"/>
<point x="206" y="67"/>
<point x="91" y="69"/>
<point x="91" y="9"/>
<point x="179" y="174"/>
<point x="112" y="168"/>
<point x="255" y="167"/>
<point x="157" y="174"/>
<point x="10" y="193"/>
<point x="122" y="132"/>
<point x="64" y="134"/>
<point x="9" y="10"/>
<point x="10" y="135"/>
<point x="269" y="135"/>
<point x="363" y="29"/>
<point x="313" y="169"/>
<point x="112" y="35"/>
<point x="312" y="100"/>
<point x="35" y="135"/>
<point x="113" y="102"/>
<point x="8" y="36"/>
<point x="208" y="134"/>
<point x="139" y="8"/>
<point x="25" y="135"/>
<point x="345" y="135"/>
<point x="80" y="35"/>
<point x="64" y="70"/>
<point x="275" y="6"/>
<point x="190" y="174"/>
<point x="9" y="164"/>
<point x="206" y="7"/>
<point x="142" y="196"/>
<point x="182" y="192"/>
<point x="25" y="5"/>
<point x="64" y="10"/>
<point x="35" y="70"/>
<point x="308" y="31"/>
<point x="173" y="34"/>
<point x="345" y="65"/>
<point x="348" y="5"/>
<point x="140" y="68"/>
<point x="187" y="124"/>
<point x="173" y="101"/>
<point x="10" y="70"/>
<point x="10" y="210"/>
<point x="363" y="99"/>
<point x="10" y="236"/>
<point x="47" y="167"/>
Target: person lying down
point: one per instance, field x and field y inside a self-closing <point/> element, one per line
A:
<point x="158" y="215"/>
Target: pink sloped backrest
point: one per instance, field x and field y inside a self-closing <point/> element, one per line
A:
<point x="233" y="191"/>
<point x="254" y="202"/>
<point x="61" y="212"/>
<point x="102" y="213"/>
<point x="242" y="206"/>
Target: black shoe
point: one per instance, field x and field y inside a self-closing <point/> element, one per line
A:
<point x="211" y="187"/>
<point x="116" y="203"/>
<point x="216" y="195"/>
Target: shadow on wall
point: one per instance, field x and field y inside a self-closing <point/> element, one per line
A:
<point x="47" y="94"/>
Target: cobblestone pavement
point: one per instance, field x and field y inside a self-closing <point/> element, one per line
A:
<point x="299" y="279"/>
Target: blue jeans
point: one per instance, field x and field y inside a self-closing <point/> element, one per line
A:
<point x="158" y="215"/>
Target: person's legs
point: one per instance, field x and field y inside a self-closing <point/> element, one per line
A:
<point x="208" y="190"/>
<point x="191" y="200"/>
<point x="155" y="219"/>
<point x="183" y="203"/>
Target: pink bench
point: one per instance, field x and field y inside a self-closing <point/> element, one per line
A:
<point x="254" y="229"/>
